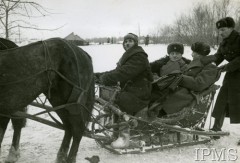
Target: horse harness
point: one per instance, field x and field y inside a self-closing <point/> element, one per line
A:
<point x="49" y="69"/>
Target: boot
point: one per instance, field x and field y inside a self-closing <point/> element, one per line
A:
<point x="238" y="143"/>
<point x="218" y="123"/>
<point x="123" y="138"/>
<point x="215" y="130"/>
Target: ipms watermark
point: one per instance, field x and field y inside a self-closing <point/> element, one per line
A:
<point x="213" y="154"/>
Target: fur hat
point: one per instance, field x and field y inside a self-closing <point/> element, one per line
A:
<point x="225" y="22"/>
<point x="201" y="48"/>
<point x="131" y="36"/>
<point x="175" y="47"/>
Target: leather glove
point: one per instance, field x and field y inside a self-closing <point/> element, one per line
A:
<point x="223" y="68"/>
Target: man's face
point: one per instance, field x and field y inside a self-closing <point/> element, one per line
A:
<point x="128" y="43"/>
<point x="225" y="32"/>
<point x="175" y="56"/>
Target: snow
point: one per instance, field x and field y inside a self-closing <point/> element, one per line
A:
<point x="40" y="143"/>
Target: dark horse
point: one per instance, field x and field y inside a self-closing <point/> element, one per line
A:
<point x="17" y="123"/>
<point x="61" y="71"/>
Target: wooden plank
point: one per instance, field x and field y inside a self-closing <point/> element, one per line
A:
<point x="41" y="106"/>
<point x="38" y="119"/>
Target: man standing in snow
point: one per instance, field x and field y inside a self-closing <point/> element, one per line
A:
<point x="228" y="100"/>
<point x="135" y="77"/>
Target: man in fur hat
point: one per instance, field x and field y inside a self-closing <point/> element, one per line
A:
<point x="228" y="100"/>
<point x="135" y="77"/>
<point x="172" y="63"/>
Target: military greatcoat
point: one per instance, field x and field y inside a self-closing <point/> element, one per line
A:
<point x="197" y="77"/>
<point x="228" y="99"/>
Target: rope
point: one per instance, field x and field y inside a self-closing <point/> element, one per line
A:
<point x="55" y="120"/>
<point x="46" y="52"/>
<point x="55" y="108"/>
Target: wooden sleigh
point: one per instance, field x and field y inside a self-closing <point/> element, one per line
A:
<point x="184" y="128"/>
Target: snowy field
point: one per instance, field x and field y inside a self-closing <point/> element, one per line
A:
<point x="40" y="143"/>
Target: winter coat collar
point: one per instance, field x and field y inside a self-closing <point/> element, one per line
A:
<point x="195" y="63"/>
<point x="129" y="53"/>
<point x="231" y="39"/>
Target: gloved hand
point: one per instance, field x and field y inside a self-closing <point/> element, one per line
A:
<point x="223" y="68"/>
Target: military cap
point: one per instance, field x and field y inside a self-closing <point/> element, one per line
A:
<point x="175" y="47"/>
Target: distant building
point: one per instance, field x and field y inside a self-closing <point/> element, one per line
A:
<point x="76" y="39"/>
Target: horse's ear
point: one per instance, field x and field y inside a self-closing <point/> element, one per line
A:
<point x="7" y="44"/>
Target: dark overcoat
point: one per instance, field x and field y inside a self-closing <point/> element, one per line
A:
<point x="197" y="78"/>
<point x="135" y="77"/>
<point x="156" y="67"/>
<point x="229" y="95"/>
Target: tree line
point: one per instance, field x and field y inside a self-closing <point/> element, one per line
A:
<point x="199" y="24"/>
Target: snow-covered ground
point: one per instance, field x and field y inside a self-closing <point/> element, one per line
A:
<point x="40" y="143"/>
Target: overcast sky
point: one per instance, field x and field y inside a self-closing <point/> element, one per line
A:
<point x="102" y="18"/>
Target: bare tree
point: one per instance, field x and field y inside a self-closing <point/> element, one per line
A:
<point x="155" y="33"/>
<point x="16" y="14"/>
<point x="166" y="34"/>
<point x="184" y="29"/>
<point x="199" y="24"/>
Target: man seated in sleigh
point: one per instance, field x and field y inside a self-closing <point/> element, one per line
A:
<point x="172" y="92"/>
